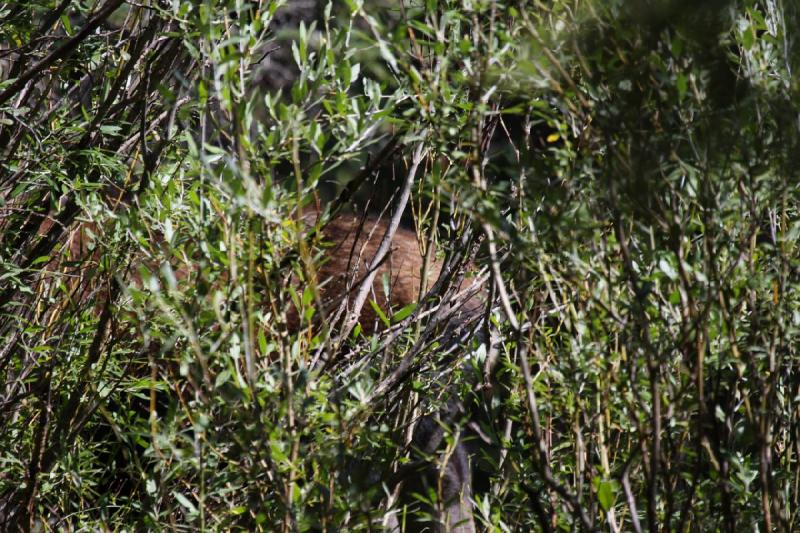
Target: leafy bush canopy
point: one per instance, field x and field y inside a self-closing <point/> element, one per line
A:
<point x="624" y="173"/>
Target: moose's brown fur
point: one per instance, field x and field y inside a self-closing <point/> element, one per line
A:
<point x="351" y="244"/>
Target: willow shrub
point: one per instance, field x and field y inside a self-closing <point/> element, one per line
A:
<point x="624" y="171"/>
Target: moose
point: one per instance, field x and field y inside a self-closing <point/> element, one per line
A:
<point x="353" y="244"/>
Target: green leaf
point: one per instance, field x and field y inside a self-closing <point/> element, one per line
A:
<point x="748" y="38"/>
<point x="667" y="269"/>
<point x="184" y="501"/>
<point x="308" y="296"/>
<point x="222" y="378"/>
<point x="682" y="83"/>
<point x="404" y="312"/>
<point x="67" y="24"/>
<point x="606" y="493"/>
<point x="110" y="130"/>
<point x="380" y="313"/>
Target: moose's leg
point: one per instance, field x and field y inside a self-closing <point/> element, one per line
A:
<point x="456" y="514"/>
<point x="445" y="475"/>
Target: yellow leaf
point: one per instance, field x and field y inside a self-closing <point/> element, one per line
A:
<point x="553" y="137"/>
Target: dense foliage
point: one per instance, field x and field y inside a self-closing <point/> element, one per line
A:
<point x="623" y="172"/>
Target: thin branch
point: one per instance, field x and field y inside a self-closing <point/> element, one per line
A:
<point x="366" y="286"/>
<point x="63" y="51"/>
